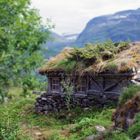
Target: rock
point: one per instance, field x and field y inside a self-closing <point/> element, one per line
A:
<point x="91" y="137"/>
<point x="138" y="138"/>
<point x="38" y="134"/>
<point x="47" y="103"/>
<point x="100" y="129"/>
<point x="86" y="109"/>
<point x="130" y="122"/>
<point x="43" y="98"/>
<point x="124" y="116"/>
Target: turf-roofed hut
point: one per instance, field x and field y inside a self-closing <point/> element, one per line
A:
<point x="97" y="73"/>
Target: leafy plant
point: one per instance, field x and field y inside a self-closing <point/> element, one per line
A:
<point x="68" y="90"/>
<point x="21" y="36"/>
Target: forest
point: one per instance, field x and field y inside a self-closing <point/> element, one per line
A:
<point x="22" y="35"/>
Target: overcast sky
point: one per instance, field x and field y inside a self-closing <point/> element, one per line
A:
<point x="71" y="16"/>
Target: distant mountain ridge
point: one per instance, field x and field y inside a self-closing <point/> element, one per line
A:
<point x="58" y="42"/>
<point x="121" y="26"/>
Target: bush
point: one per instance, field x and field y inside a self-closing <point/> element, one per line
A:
<point x="128" y="93"/>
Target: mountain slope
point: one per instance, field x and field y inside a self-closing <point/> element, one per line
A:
<point x="57" y="43"/>
<point x="121" y="26"/>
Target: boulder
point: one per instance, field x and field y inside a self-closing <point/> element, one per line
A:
<point x="124" y="115"/>
<point x="100" y="128"/>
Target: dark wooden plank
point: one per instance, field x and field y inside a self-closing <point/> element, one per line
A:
<point x="113" y="85"/>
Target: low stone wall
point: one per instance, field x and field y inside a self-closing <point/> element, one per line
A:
<point x="55" y="102"/>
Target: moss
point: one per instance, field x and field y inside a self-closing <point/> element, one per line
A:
<point x="111" y="67"/>
<point x="67" y="65"/>
<point x="128" y="93"/>
<point x="123" y="46"/>
<point x="95" y="57"/>
<point x="92" y="53"/>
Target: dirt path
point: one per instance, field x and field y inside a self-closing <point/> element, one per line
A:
<point x="37" y="133"/>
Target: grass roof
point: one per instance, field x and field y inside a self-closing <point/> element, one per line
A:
<point x="108" y="57"/>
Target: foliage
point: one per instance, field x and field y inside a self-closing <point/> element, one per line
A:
<point x="111" y="67"/>
<point x="134" y="130"/>
<point x="116" y="135"/>
<point x="9" y="120"/>
<point x="128" y="93"/>
<point x="19" y="112"/>
<point x="67" y="64"/>
<point x="18" y="121"/>
<point x="85" y="126"/>
<point x="92" y="53"/>
<point x="21" y="36"/>
<point x="78" y="59"/>
<point x="68" y="91"/>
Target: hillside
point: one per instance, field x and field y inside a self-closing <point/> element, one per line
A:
<point x="58" y="42"/>
<point x="115" y="27"/>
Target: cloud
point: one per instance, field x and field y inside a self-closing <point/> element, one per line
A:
<point x="70" y="16"/>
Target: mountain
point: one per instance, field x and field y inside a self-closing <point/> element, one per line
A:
<point x="58" y="42"/>
<point x="121" y="26"/>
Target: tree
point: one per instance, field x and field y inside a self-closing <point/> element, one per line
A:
<point x="21" y="36"/>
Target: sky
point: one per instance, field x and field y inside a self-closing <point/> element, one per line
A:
<point x="71" y="16"/>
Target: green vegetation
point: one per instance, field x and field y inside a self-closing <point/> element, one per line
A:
<point x="21" y="36"/>
<point x="18" y="121"/>
<point x="68" y="89"/>
<point x="68" y="64"/>
<point x="116" y="135"/>
<point x="92" y="55"/>
<point x="112" y="67"/>
<point x="128" y="93"/>
<point x="130" y="134"/>
<point x="134" y="130"/>
<point x="86" y="125"/>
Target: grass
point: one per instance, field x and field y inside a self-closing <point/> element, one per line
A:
<point x="134" y="130"/>
<point x="70" y="60"/>
<point x="18" y="121"/>
<point x="128" y="93"/>
<point x="117" y="135"/>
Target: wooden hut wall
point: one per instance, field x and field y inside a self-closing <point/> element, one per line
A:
<point x="89" y="84"/>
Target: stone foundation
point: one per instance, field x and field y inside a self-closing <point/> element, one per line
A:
<point x="47" y="103"/>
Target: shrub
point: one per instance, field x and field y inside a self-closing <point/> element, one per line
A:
<point x="128" y="93"/>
